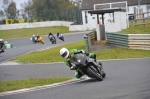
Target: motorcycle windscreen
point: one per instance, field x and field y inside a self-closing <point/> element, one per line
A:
<point x="50" y="37"/>
<point x="80" y="59"/>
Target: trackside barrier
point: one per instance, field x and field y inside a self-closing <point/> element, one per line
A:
<point x="35" y="25"/>
<point x="86" y="39"/>
<point x="7" y="45"/>
<point x="91" y="41"/>
<point x="132" y="41"/>
<point x="90" y="38"/>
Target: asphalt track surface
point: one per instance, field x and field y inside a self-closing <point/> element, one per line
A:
<point x="125" y="79"/>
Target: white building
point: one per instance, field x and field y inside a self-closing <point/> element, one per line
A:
<point x="89" y="5"/>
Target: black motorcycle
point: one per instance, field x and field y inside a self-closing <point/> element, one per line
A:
<point x="84" y="64"/>
<point x="52" y="39"/>
<point x="1" y="47"/>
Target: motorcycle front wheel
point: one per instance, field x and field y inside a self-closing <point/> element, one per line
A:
<point x="102" y="71"/>
<point x="94" y="73"/>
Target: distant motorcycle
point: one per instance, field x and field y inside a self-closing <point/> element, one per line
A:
<point x="61" y="37"/>
<point x="1" y="46"/>
<point x="35" y="40"/>
<point x="52" y="39"/>
<point x="84" y="65"/>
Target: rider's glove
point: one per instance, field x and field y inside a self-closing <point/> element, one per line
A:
<point x="82" y="51"/>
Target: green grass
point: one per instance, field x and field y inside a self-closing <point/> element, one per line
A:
<point x="121" y="53"/>
<point x="140" y="29"/>
<point x="27" y="32"/>
<point x="52" y="55"/>
<point x="19" y="84"/>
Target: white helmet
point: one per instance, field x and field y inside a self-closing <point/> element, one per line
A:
<point x="33" y="35"/>
<point x="64" y="53"/>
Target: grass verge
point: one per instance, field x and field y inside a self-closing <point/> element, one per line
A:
<point x="27" y="32"/>
<point x="140" y="29"/>
<point x="52" y="55"/>
<point x="19" y="84"/>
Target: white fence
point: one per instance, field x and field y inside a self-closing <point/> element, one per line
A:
<point x="109" y="27"/>
<point x="35" y="24"/>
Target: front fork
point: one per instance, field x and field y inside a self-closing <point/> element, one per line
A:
<point x="96" y="64"/>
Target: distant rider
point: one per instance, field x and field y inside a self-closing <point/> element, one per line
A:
<point x="34" y="38"/>
<point x="65" y="53"/>
<point x="51" y="35"/>
<point x="59" y="35"/>
<point x="2" y="45"/>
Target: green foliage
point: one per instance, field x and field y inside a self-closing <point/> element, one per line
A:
<point x="11" y="10"/>
<point x="2" y="21"/>
<point x="52" y="9"/>
<point x="9" y="21"/>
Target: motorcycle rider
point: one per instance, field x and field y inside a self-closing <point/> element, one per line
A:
<point x="65" y="53"/>
<point x="59" y="35"/>
<point x="2" y="45"/>
<point x="34" y="38"/>
<point x="50" y="34"/>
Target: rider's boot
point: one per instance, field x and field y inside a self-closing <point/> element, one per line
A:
<point x="78" y="74"/>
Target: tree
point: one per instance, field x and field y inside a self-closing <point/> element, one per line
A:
<point x="48" y="9"/>
<point x="27" y="10"/>
<point x="10" y="9"/>
<point x="51" y="9"/>
<point x="1" y="15"/>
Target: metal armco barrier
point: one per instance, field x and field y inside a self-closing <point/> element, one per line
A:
<point x="133" y="41"/>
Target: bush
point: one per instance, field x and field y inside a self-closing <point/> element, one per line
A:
<point x="16" y="21"/>
<point x="2" y="21"/>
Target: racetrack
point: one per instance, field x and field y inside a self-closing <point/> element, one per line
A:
<point x="24" y="45"/>
<point x="125" y="79"/>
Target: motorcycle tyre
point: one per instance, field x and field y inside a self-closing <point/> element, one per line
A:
<point x="63" y="38"/>
<point x="42" y="42"/>
<point x="103" y="73"/>
<point x="91" y="72"/>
